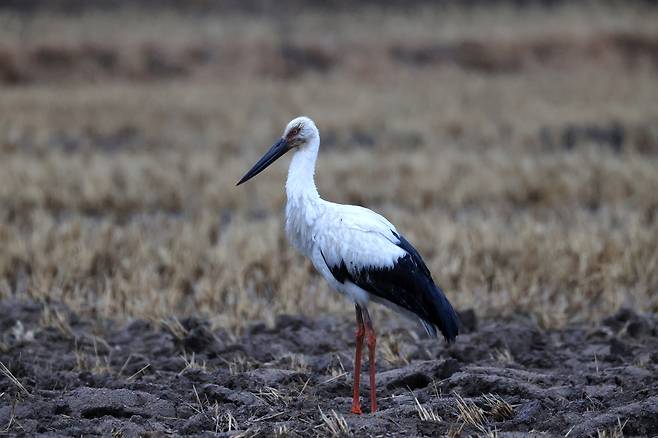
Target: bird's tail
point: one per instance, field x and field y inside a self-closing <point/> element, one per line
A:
<point x="443" y="317"/>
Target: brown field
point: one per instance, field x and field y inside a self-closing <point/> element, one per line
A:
<point x="517" y="149"/>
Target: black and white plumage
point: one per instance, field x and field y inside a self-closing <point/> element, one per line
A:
<point x="406" y="286"/>
<point x="357" y="251"/>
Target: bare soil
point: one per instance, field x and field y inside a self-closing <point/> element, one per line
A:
<point x="97" y="377"/>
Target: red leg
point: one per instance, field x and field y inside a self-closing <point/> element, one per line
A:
<point x="360" y="331"/>
<point x="371" y="340"/>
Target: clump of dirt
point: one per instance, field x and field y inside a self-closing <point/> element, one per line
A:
<point x="74" y="376"/>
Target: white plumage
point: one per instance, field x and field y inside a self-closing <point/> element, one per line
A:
<point x="356" y="250"/>
<point x="356" y="235"/>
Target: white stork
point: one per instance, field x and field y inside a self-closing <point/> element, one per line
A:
<point x="356" y="250"/>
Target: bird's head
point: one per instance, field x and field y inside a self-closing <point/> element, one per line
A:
<point x="299" y="133"/>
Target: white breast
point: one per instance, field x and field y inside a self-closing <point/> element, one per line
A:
<point x="328" y="233"/>
<point x="301" y="217"/>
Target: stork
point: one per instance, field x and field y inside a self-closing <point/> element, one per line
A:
<point x="357" y="251"/>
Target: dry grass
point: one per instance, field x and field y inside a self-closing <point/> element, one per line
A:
<point x="426" y="413"/>
<point x="471" y="414"/>
<point x="615" y="432"/>
<point x="334" y="424"/>
<point x="498" y="407"/>
<point x="223" y="420"/>
<point x="494" y="409"/>
<point x="118" y="197"/>
<point x="191" y="363"/>
<point x="10" y="376"/>
<point x="238" y="364"/>
<point x="91" y="362"/>
<point x="391" y="350"/>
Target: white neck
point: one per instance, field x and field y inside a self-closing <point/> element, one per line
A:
<point x="301" y="182"/>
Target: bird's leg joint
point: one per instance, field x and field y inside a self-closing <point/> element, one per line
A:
<point x="371" y="339"/>
<point x="369" y="330"/>
<point x="360" y="326"/>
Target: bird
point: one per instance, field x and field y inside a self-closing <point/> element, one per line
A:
<point x="357" y="251"/>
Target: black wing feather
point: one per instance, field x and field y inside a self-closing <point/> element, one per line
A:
<point x="408" y="284"/>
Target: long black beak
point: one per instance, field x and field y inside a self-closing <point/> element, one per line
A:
<point x="276" y="151"/>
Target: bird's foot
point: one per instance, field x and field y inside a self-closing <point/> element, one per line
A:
<point x="356" y="409"/>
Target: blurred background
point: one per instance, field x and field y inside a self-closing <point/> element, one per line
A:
<point x="515" y="143"/>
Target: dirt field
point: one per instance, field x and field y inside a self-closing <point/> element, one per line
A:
<point x="517" y="148"/>
<point x="86" y="377"/>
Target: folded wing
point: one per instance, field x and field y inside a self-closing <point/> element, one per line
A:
<point x="363" y="248"/>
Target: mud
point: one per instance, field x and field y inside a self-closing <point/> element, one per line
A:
<point x="89" y="377"/>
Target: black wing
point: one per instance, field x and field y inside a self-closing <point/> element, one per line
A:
<point x="409" y="285"/>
